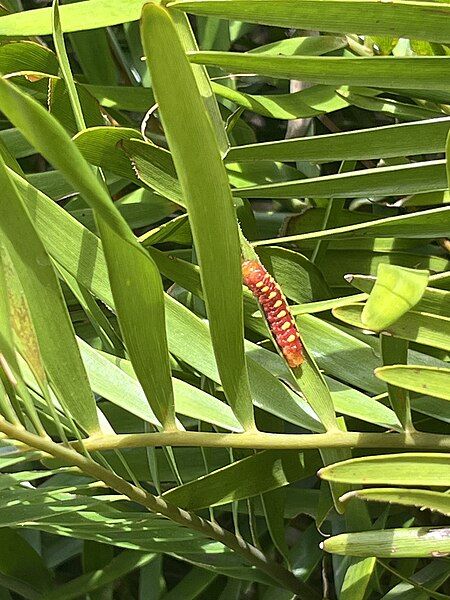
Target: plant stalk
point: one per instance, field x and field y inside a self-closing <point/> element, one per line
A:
<point x="271" y="441"/>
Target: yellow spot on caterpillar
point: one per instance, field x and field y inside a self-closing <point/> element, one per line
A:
<point x="265" y="289"/>
<point x="259" y="284"/>
<point x="272" y="295"/>
<point x="291" y="338"/>
<point x="278" y="303"/>
<point x="286" y="325"/>
<point x="281" y="314"/>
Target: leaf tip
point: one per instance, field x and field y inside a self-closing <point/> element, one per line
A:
<point x="348" y="496"/>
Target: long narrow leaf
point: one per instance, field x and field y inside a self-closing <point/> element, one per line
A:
<point x="384" y="71"/>
<point x="207" y="195"/>
<point x="438" y="501"/>
<point x="430" y="381"/>
<point x="140" y="301"/>
<point x="409" y="19"/>
<point x="50" y="317"/>
<point x="74" y="17"/>
<point x="397" y="469"/>
<point x="397" y="290"/>
<point x="418" y="542"/>
<point x="396" y="181"/>
<point x="390" y="140"/>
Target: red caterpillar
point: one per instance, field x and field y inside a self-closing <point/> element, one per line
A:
<point x="276" y="309"/>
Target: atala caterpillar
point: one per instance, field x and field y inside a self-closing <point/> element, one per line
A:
<point x="276" y="310"/>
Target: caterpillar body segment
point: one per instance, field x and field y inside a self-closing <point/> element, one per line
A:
<point x="276" y="310"/>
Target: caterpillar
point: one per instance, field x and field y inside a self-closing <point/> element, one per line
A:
<point x="276" y="310"/>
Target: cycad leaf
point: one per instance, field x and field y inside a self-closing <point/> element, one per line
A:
<point x="420" y="542"/>
<point x="136" y="284"/>
<point x="51" y="320"/>
<point x="383" y="72"/>
<point x="207" y="195"/>
<point x="431" y="500"/>
<point x="415" y="19"/>
<point x="429" y="381"/>
<point x="412" y="468"/>
<point x="396" y="290"/>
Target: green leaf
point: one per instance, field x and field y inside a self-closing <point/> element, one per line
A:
<point x="351" y="402"/>
<point x="248" y="477"/>
<point x="12" y="304"/>
<point x="429" y="381"/>
<point x="428" y="223"/>
<point x="27" y="56"/>
<point x="393" y="351"/>
<point x="413" y="468"/>
<point x="421" y="585"/>
<point x="11" y="480"/>
<point x="421" y="542"/>
<point x="309" y="308"/>
<point x="207" y="195"/>
<point x="114" y="379"/>
<point x="16" y="143"/>
<point x="340" y="354"/>
<point x="141" y="531"/>
<point x="127" y="262"/>
<point x="317" y="100"/>
<point x="274" y="504"/>
<point x="408" y="19"/>
<point x="138" y="295"/>
<point x="123" y="97"/>
<point x="22" y="504"/>
<point x="95" y="57"/>
<point x="22" y="569"/>
<point x="96" y="556"/>
<point x="63" y="59"/>
<point x="357" y="578"/>
<point x="305" y="46"/>
<point x="394" y="181"/>
<point x="191" y="586"/>
<point x="51" y="320"/>
<point x="117" y="568"/>
<point x="102" y="13"/>
<point x="101" y="146"/>
<point x="298" y="277"/>
<point x="447" y="152"/>
<point x="433" y="300"/>
<point x="383" y="71"/>
<point x="419" y="327"/>
<point x="430" y="500"/>
<point x="155" y="168"/>
<point x="396" y="290"/>
<point x="399" y="110"/>
<point x="61" y="101"/>
<point x="391" y="140"/>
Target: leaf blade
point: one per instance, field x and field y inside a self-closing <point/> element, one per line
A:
<point x="396" y="290"/>
<point x="436" y="501"/>
<point x="207" y="194"/>
<point x="362" y="17"/>
<point x="413" y="468"/>
<point x="424" y="542"/>
<point x="48" y="136"/>
<point x="433" y="381"/>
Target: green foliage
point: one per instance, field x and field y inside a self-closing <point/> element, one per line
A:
<point x="154" y="442"/>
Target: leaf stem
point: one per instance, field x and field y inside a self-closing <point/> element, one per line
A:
<point x="273" y="441"/>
